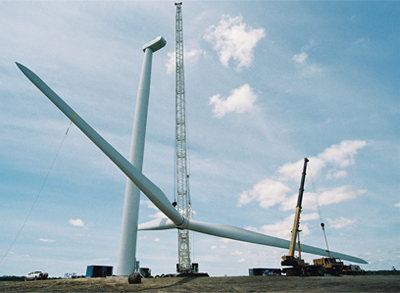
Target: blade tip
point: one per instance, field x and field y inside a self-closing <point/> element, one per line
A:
<point x="21" y="67"/>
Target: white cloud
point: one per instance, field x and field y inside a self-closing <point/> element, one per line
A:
<point x="340" y="223"/>
<point x="241" y="260"/>
<point x="309" y="217"/>
<point x="342" y="154"/>
<point x="158" y="215"/>
<point x="291" y="202"/>
<point x="46" y="240"/>
<point x="170" y="63"/>
<point x="270" y="192"/>
<point x="148" y="204"/>
<point x="397" y="205"/>
<point x="339" y="155"/>
<point x="336" y="174"/>
<point x="300" y="58"/>
<point x="332" y="196"/>
<point x="233" y="39"/>
<point x="156" y="239"/>
<point x="283" y="228"/>
<point x="193" y="54"/>
<point x="191" y="57"/>
<point x="77" y="222"/>
<point x="240" y="100"/>
<point x="267" y="192"/>
<point x="306" y="69"/>
<point x="310" y="71"/>
<point x="292" y="170"/>
<point x="280" y="229"/>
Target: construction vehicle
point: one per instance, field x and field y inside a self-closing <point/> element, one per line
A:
<point x="352" y="270"/>
<point x="325" y="266"/>
<point x="297" y="266"/>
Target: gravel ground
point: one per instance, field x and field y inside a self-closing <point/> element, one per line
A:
<point x="213" y="284"/>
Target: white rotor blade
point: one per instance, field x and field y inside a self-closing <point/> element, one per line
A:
<point x="240" y="234"/>
<point x="157" y="224"/>
<point x="235" y="233"/>
<point x="154" y="193"/>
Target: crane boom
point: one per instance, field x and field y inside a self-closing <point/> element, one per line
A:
<point x="182" y="196"/>
<point x="290" y="258"/>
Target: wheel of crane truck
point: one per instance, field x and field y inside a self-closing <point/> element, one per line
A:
<point x="320" y="271"/>
<point x="312" y="271"/>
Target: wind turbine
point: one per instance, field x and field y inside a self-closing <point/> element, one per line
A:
<point x="155" y="194"/>
<point x="130" y="215"/>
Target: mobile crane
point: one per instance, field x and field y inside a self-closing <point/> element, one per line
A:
<point x="295" y="265"/>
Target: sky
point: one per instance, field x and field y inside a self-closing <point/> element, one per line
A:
<point x="268" y="83"/>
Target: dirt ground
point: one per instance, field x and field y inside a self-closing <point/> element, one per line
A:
<point x="213" y="284"/>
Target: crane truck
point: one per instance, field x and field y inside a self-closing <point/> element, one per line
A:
<point x="295" y="266"/>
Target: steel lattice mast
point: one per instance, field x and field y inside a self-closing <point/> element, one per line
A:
<point x="182" y="196"/>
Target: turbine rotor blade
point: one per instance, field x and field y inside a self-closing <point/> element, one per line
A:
<point x="235" y="233"/>
<point x="241" y="234"/>
<point x="157" y="224"/>
<point x="145" y="185"/>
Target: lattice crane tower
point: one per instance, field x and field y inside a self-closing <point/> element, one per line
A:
<point x="182" y="194"/>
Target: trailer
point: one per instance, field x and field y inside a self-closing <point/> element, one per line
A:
<point x="94" y="271"/>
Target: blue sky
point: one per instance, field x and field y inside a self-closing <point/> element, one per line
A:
<point x="267" y="84"/>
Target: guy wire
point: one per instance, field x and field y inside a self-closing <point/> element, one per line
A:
<point x="37" y="196"/>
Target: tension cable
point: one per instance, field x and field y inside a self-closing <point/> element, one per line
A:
<point x="40" y="191"/>
<point x="320" y="216"/>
